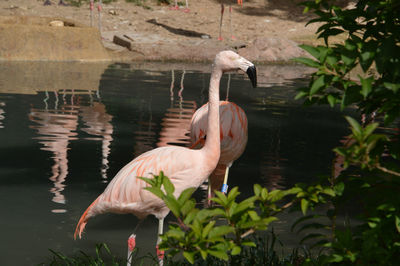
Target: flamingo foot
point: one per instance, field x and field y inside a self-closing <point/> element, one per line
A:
<point x="233" y="37"/>
<point x="160" y="253"/>
<point x="132" y="242"/>
<point x="174" y="8"/>
<point x="220" y="38"/>
<point x="186" y="10"/>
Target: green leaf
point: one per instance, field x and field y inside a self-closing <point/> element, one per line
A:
<point x="190" y="216"/>
<point x="248" y="244"/>
<point x="187" y="207"/>
<point x="355" y="126"/>
<point x="173" y="205"/>
<point x="236" y="250"/>
<point x="222" y="197"/>
<point x="168" y="186"/>
<point x="175" y="233"/>
<point x="397" y="223"/>
<point x="370" y="128"/>
<point x="317" y="84"/>
<point x="311" y="50"/>
<point x="254" y="215"/>
<point x="300" y="95"/>
<point x="156" y="191"/>
<point x="304" y="206"/>
<point x="207" y="229"/>
<point x="257" y="189"/>
<point x="306" y="61"/>
<point x="331" y="100"/>
<point x="233" y="194"/>
<point x="329" y="191"/>
<point x="186" y="194"/>
<point x="219" y="254"/>
<point x="189" y="256"/>
<point x="220" y="231"/>
<point x="149" y="181"/>
<point x="203" y="254"/>
<point x="366" y="86"/>
<point x="392" y="86"/>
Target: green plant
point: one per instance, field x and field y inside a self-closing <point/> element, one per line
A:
<point x="103" y="257"/>
<point x="361" y="72"/>
<point x="222" y="231"/>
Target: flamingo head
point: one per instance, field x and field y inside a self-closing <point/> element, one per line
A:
<point x="231" y="61"/>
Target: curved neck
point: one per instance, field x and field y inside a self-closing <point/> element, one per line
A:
<point x="212" y="145"/>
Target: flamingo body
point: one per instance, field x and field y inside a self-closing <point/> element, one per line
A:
<point x="125" y="193"/>
<point x="233" y="130"/>
<point x="233" y="136"/>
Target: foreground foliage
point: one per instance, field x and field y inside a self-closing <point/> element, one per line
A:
<point x="362" y="72"/>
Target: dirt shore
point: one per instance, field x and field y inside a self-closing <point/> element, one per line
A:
<point x="263" y="31"/>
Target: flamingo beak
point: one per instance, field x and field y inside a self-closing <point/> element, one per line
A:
<point x="252" y="73"/>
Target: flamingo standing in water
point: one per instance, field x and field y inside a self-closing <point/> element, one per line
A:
<point x="185" y="167"/>
<point x="233" y="140"/>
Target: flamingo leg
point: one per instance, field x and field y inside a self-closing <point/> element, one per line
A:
<point x="187" y="10"/>
<point x="176" y="7"/>
<point x="224" y="188"/>
<point x="91" y="12"/>
<point x="220" y="22"/>
<point x="160" y="253"/>
<point x="230" y="22"/>
<point x="209" y="194"/>
<point x="99" y="10"/>
<point x="132" y="243"/>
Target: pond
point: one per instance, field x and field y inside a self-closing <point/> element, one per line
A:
<point x="67" y="128"/>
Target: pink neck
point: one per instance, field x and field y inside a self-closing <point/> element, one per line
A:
<point x="212" y="145"/>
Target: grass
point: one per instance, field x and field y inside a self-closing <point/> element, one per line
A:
<point x="268" y="251"/>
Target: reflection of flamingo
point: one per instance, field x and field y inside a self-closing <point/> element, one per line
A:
<point x="271" y="163"/>
<point x="56" y="128"/>
<point x="145" y="136"/>
<point x="2" y="114"/>
<point x="175" y="124"/>
<point x="186" y="167"/>
<point x="98" y="123"/>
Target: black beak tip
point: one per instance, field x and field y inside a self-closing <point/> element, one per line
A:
<point x="252" y="73"/>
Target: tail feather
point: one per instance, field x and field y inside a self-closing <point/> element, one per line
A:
<point x="83" y="220"/>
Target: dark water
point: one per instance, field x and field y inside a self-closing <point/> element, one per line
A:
<point x="66" y="130"/>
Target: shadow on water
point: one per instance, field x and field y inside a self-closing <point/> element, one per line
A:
<point x="67" y="128"/>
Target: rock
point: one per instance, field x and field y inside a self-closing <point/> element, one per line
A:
<point x="123" y="41"/>
<point x="56" y="23"/>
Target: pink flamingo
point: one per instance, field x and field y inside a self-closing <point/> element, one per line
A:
<point x="185" y="167"/>
<point x="233" y="140"/>
<point x="240" y="2"/>
<point x="176" y="7"/>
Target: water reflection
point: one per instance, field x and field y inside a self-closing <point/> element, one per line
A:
<point x="137" y="111"/>
<point x="271" y="164"/>
<point x="55" y="128"/>
<point x="176" y="121"/>
<point x="2" y="114"/>
<point x="145" y="136"/>
<point x="98" y="123"/>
